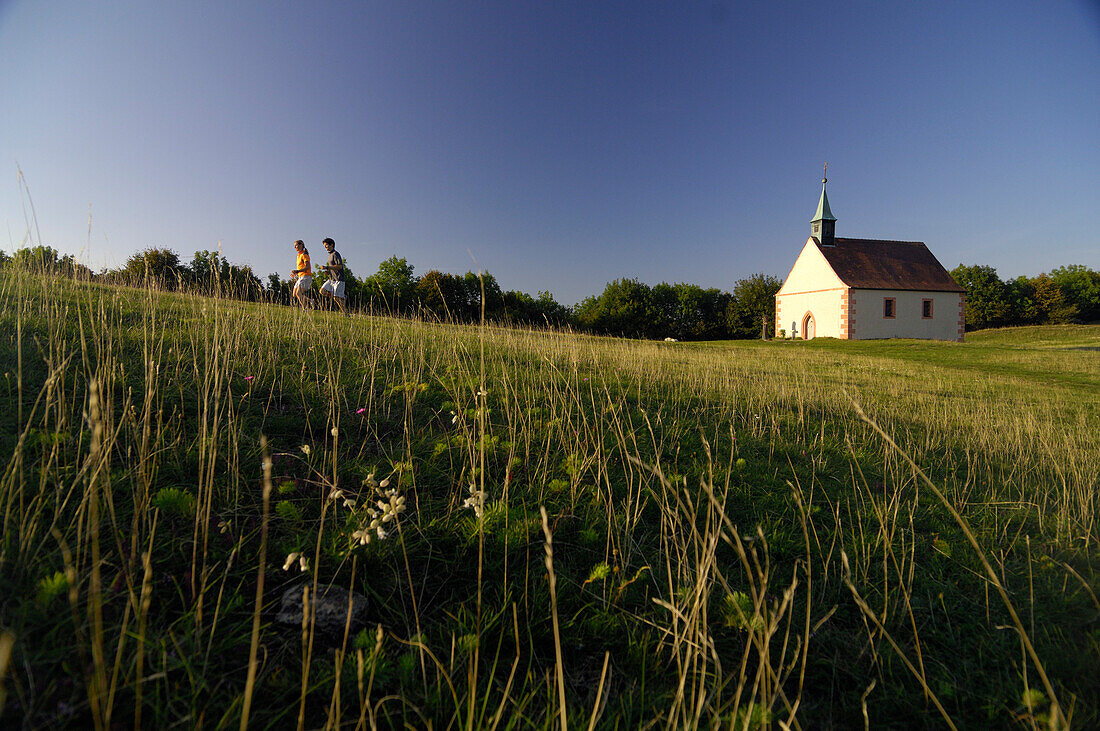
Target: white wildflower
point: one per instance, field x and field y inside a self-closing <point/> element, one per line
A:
<point x="476" y="500"/>
<point x="306" y="450"/>
<point x="303" y="563"/>
<point x="290" y="559"/>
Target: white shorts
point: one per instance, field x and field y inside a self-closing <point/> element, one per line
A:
<point x="336" y="289"/>
<point x="303" y="284"/>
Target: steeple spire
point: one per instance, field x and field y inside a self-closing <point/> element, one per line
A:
<point x="823" y="224"/>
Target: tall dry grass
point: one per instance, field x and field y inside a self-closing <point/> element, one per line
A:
<point x="735" y="518"/>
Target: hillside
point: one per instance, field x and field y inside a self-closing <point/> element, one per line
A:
<point x="568" y="527"/>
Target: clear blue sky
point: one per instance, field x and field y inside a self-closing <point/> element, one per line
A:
<point x="561" y="143"/>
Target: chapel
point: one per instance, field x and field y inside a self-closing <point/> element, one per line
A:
<point x="863" y="289"/>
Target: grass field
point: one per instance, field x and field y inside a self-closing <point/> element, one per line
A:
<point x="552" y="530"/>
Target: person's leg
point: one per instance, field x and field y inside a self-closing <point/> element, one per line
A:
<point x="302" y="289"/>
<point x="328" y="290"/>
<point x="338" y="295"/>
<point x="297" y="292"/>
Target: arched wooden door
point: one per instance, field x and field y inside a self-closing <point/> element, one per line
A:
<point x="808" y="328"/>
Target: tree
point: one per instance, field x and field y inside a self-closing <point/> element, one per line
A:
<point x="710" y="306"/>
<point x="212" y="274"/>
<point x="622" y="309"/>
<point x="392" y="288"/>
<point x="1051" y="303"/>
<point x="485" y="284"/>
<point x="160" y="267"/>
<point x="987" y="303"/>
<point x="39" y="259"/>
<point x="278" y="290"/>
<point x="1021" y="301"/>
<point x="550" y="311"/>
<point x="521" y="308"/>
<point x="752" y="300"/>
<point x="205" y="268"/>
<point x="664" y="312"/>
<point x="1081" y="287"/>
<point x="442" y="296"/>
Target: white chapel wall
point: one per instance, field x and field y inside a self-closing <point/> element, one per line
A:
<point x="866" y="312"/>
<point x="810" y="273"/>
<point x="825" y="306"/>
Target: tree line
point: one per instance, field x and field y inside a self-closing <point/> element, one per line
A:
<point x="1069" y="294"/>
<point x="626" y="307"/>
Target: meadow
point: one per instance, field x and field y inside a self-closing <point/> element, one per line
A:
<point x="551" y="530"/>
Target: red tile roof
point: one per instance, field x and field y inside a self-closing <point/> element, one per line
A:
<point x="874" y="264"/>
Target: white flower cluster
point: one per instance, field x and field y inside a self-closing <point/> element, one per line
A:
<point x="386" y="509"/>
<point x="295" y="557"/>
<point x="338" y="494"/>
<point x="476" y="500"/>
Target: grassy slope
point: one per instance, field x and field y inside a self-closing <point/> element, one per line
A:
<point x="819" y="567"/>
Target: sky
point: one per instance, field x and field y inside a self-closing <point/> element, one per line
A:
<point x="558" y="144"/>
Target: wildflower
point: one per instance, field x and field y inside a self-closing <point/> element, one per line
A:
<point x="362" y="535"/>
<point x="454" y="418"/>
<point x="303" y="563"/>
<point x="290" y="559"/>
<point x="349" y="504"/>
<point x="306" y="450"/>
<point x="475" y="501"/>
<point x="384" y="483"/>
<point x="482" y="393"/>
<point x="334" y="432"/>
<point x="362" y="410"/>
<point x="249" y="378"/>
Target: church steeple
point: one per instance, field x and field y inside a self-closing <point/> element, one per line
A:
<point x="823" y="225"/>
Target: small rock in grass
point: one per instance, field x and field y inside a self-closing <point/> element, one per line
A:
<point x="329" y="607"/>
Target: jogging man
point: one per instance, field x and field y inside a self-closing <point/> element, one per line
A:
<point x="334" y="287"/>
<point x="303" y="273"/>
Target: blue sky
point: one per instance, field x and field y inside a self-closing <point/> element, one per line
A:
<point x="559" y="144"/>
